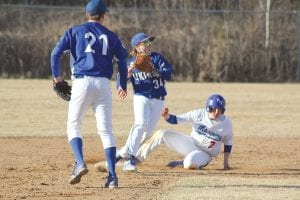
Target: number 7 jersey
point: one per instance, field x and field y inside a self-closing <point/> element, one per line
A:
<point x="208" y="134"/>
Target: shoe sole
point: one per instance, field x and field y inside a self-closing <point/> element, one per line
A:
<point x="78" y="177"/>
<point x="113" y="187"/>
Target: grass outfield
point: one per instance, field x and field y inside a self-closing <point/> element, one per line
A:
<point x="28" y="106"/>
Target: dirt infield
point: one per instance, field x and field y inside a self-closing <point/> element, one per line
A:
<point x="36" y="160"/>
<point x="39" y="168"/>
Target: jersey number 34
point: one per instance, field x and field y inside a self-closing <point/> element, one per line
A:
<point x="157" y="83"/>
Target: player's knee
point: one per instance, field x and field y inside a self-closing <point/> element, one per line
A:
<point x="141" y="126"/>
<point x="196" y="160"/>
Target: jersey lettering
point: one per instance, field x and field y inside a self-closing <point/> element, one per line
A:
<point x="212" y="143"/>
<point x="157" y="83"/>
<point x="103" y="37"/>
<point x="203" y="130"/>
<point x="92" y="39"/>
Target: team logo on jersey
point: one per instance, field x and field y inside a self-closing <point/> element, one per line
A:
<point x="203" y="130"/>
<point x="141" y="76"/>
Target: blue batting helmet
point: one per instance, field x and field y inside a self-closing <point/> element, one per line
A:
<point x="215" y="101"/>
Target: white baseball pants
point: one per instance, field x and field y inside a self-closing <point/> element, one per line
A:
<point x="92" y="92"/>
<point x="195" y="158"/>
<point x="147" y="113"/>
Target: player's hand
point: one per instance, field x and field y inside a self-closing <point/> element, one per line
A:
<point x="122" y="93"/>
<point x="165" y="113"/>
<point x="57" y="79"/>
<point x="130" y="69"/>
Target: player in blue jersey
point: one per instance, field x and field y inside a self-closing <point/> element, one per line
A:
<point x="92" y="48"/>
<point x="149" y="95"/>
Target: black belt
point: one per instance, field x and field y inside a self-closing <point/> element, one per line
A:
<point x="78" y="76"/>
<point x="159" y="98"/>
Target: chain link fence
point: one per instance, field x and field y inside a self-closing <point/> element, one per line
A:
<point x="202" y="45"/>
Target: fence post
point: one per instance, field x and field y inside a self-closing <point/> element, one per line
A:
<point x="267" y="24"/>
<point x="298" y="45"/>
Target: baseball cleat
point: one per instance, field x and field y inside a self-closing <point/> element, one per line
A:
<point x="111" y="182"/>
<point x="130" y="165"/>
<point x="118" y="158"/>
<point x="78" y="172"/>
<point x="175" y="163"/>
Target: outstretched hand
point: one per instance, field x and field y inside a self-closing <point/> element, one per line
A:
<point x="165" y="113"/>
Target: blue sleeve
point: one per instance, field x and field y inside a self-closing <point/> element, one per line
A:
<point x="227" y="148"/>
<point x="120" y="51"/>
<point x="62" y="46"/>
<point x="165" y="68"/>
<point x="122" y="74"/>
<point x="172" y="119"/>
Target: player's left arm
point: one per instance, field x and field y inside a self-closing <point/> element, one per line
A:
<point x="121" y="55"/>
<point x="122" y="75"/>
<point x="228" y="142"/>
<point x="227" y="151"/>
<point x="122" y="79"/>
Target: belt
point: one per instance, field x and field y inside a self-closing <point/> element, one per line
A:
<point x="78" y="76"/>
<point x="159" y="98"/>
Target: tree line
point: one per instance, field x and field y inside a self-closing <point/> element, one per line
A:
<point x="202" y="45"/>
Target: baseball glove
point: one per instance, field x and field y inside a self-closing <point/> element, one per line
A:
<point x="143" y="62"/>
<point x="63" y="90"/>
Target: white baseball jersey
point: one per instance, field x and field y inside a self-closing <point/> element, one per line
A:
<point x="208" y="134"/>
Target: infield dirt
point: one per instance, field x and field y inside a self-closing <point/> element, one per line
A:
<point x="36" y="160"/>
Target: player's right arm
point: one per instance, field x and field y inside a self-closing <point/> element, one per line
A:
<point x="172" y="119"/>
<point x="190" y="116"/>
<point x="62" y="46"/>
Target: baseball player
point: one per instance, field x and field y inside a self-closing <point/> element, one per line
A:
<point x="92" y="49"/>
<point x="210" y="128"/>
<point x="149" y="95"/>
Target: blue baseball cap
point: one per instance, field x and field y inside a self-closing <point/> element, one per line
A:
<point x="96" y="7"/>
<point x="140" y="37"/>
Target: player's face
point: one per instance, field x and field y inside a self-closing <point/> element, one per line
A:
<point x="215" y="113"/>
<point x="144" y="47"/>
